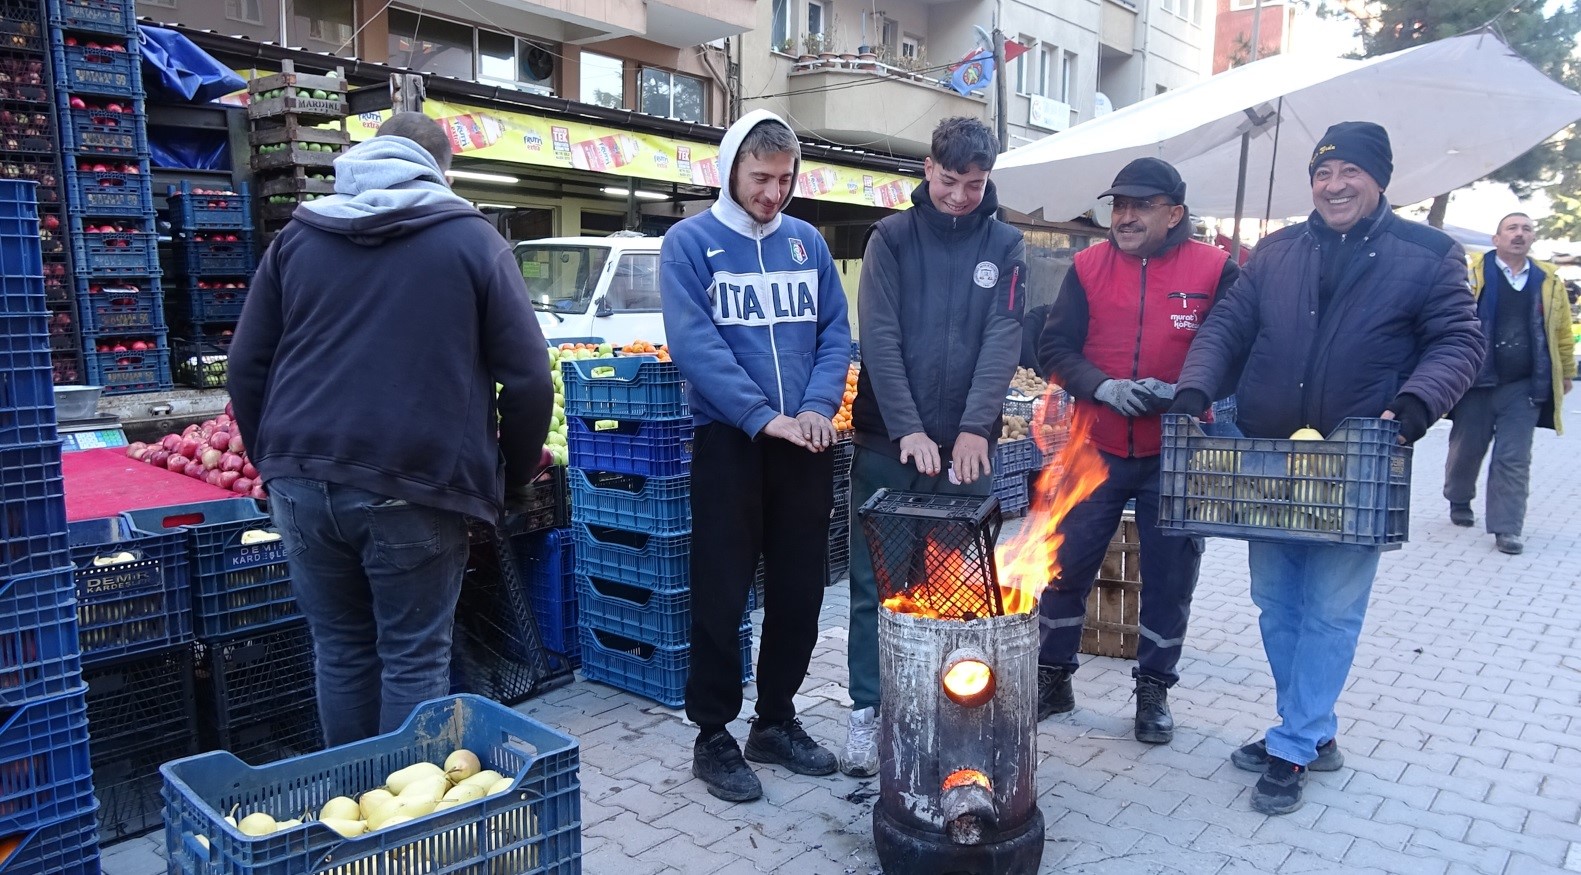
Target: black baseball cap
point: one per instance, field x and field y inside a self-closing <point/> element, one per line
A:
<point x="1146" y="177"/>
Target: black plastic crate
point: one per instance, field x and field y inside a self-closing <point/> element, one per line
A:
<point x="201" y="361"/>
<point x="134" y="589"/>
<point x="27" y="127"/>
<point x="243" y="679"/>
<point x="495" y="627"/>
<point x="546" y="508"/>
<point x="283" y="733"/>
<point x="22" y="33"/>
<point x="136" y="697"/>
<point x="127" y="782"/>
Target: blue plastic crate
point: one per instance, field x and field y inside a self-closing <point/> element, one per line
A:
<point x="136" y="698"/>
<point x="115" y="191"/>
<point x="533" y="828"/>
<point x="38" y="639"/>
<point x="128" y="371"/>
<point x="116" y="17"/>
<point x="21" y="254"/>
<point x="657" y="673"/>
<point x="628" y="387"/>
<point x="68" y="846"/>
<point x="1011" y="490"/>
<point x="224" y="211"/>
<point x="32" y="511"/>
<point x="660" y="562"/>
<point x="97" y="130"/>
<point x="114" y="306"/>
<point x="1015" y="457"/>
<point x="243" y="679"/>
<point x="199" y="254"/>
<point x="44" y="757"/>
<point x="664" y="619"/>
<point x="1225" y="410"/>
<point x="82" y="70"/>
<point x="133" y="590"/>
<point x="27" y="396"/>
<point x="130" y="250"/>
<point x="654" y="447"/>
<point x="548" y="562"/>
<point x="193" y="305"/>
<point x="240" y="578"/>
<point x="1354" y="487"/>
<point x="656" y="505"/>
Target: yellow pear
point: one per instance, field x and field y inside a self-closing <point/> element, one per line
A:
<point x="399" y="779"/>
<point x="202" y="840"/>
<point x="431" y="789"/>
<point x="462" y="765"/>
<point x="501" y="786"/>
<point x="340" y="808"/>
<point x="348" y="828"/>
<point x="484" y="779"/>
<point x="256" y="824"/>
<point x="1307" y="434"/>
<point x="447" y="804"/>
<point x="373" y="800"/>
<point x="464" y="793"/>
<point x="389" y="822"/>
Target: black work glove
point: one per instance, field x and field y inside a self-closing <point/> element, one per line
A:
<point x="1412" y="415"/>
<point x="1126" y="397"/>
<point x="1192" y="402"/>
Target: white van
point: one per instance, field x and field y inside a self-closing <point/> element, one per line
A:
<point x="604" y="287"/>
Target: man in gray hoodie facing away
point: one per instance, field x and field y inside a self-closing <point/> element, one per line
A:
<point x="362" y="376"/>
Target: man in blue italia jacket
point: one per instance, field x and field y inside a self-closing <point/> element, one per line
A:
<point x="756" y="321"/>
<point x="1354" y="312"/>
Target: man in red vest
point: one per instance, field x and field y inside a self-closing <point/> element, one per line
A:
<point x="1116" y="337"/>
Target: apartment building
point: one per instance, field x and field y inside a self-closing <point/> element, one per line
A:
<point x="1232" y="31"/>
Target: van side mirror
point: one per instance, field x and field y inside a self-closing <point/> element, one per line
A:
<point x="602" y="308"/>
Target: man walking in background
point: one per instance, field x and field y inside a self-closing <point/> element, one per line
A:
<point x="756" y="321"/>
<point x="1525" y="316"/>
<point x="391" y="291"/>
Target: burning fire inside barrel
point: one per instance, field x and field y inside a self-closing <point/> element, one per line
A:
<point x="958" y="643"/>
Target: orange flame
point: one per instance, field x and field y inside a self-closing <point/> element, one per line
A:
<point x="1029" y="561"/>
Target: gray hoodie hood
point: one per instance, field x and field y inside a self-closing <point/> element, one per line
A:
<point x="384" y="187"/>
<point x="725" y="209"/>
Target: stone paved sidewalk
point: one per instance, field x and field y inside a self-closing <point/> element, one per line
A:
<point x="1461" y="727"/>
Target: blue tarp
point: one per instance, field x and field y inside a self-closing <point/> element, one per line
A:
<point x="176" y="69"/>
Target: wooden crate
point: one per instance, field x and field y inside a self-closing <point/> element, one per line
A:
<point x="1113" y="606"/>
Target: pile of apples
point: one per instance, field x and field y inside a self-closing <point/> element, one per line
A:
<point x="108" y="106"/>
<point x="212" y="452"/>
<point x="20" y="71"/>
<point x="217" y="237"/>
<point x="215" y="285"/>
<point x="94" y="45"/>
<point x="120" y="242"/>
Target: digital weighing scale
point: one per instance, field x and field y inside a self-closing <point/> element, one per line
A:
<point x="95" y="432"/>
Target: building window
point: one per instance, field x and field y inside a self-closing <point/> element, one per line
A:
<point x="244" y="10"/>
<point x="889" y="35"/>
<point x="1026" y="73"/>
<point x="430" y="45"/>
<point x="815" y="20"/>
<point x="1067" y="78"/>
<point x="1237" y="5"/>
<point x="911" y="48"/>
<point x="780" y="30"/>
<point x="673" y="95"/>
<point x="1047" y="71"/>
<point x="603" y="80"/>
<point x="496" y="56"/>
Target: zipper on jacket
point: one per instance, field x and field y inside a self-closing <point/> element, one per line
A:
<point x="779" y="379"/>
<point x="1136" y="361"/>
<point x="1187" y="297"/>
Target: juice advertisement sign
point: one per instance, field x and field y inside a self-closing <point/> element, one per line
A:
<point x="472" y="131"/>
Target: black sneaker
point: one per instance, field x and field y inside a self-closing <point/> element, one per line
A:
<point x="787" y="744"/>
<point x="717" y="762"/>
<point x="1461" y="514"/>
<point x="1154" y="723"/>
<point x="1054" y="693"/>
<point x="1254" y="757"/>
<point x="1279" y="789"/>
<point x="1508" y="544"/>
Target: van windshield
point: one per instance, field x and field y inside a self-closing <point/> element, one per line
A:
<point x="560" y="279"/>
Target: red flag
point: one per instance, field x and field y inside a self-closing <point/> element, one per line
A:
<point x="1014" y="50"/>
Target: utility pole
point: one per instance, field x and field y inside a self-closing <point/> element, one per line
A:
<point x="1001" y="91"/>
<point x="1246" y="142"/>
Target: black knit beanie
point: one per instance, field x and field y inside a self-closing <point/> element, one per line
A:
<point x="1363" y="144"/>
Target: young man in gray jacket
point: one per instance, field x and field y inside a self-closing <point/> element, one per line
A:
<point x="940" y="309"/>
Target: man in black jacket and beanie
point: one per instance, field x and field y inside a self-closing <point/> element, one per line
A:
<point x="1354" y="312"/>
<point x="363" y="375"/>
<point x="940" y="310"/>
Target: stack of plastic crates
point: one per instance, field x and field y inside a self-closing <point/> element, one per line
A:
<point x="210" y="227"/>
<point x="532" y="828"/>
<point x="96" y="62"/>
<point x="1015" y="462"/>
<point x="46" y="798"/>
<point x="134" y="622"/>
<point x="30" y="149"/>
<point x="631" y="517"/>
<point x="252" y="661"/>
<point x="840" y="514"/>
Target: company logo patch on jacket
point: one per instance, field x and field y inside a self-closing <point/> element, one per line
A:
<point x="1189" y="316"/>
<point x="986" y="274"/>
<point x="765" y="298"/>
<point x="798" y="250"/>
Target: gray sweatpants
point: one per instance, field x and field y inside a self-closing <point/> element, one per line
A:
<point x="1506" y="416"/>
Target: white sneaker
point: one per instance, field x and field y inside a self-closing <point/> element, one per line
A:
<point x="859" y="759"/>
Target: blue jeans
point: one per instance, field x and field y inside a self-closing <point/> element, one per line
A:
<point x="378" y="579"/>
<point x="1312" y="601"/>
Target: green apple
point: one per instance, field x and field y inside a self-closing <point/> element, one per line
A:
<point x="605" y="350"/>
